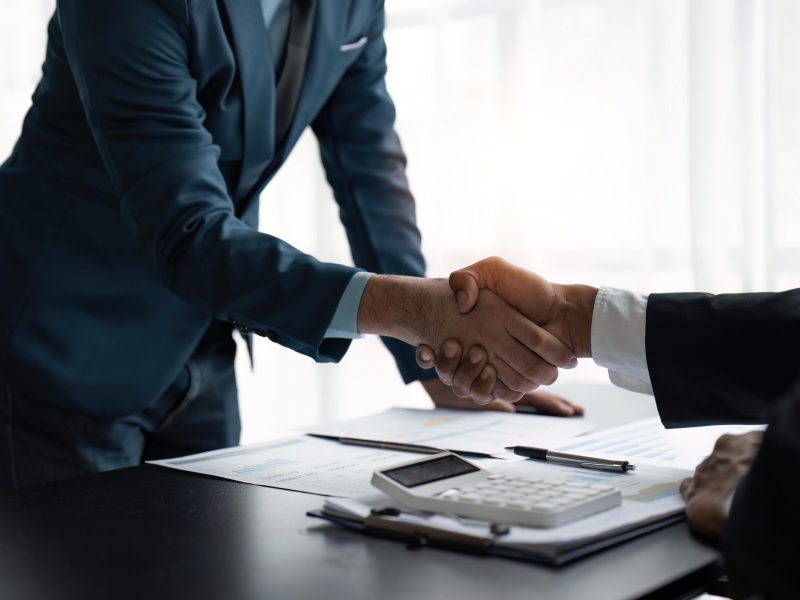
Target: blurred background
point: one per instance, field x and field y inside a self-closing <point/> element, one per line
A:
<point x="646" y="144"/>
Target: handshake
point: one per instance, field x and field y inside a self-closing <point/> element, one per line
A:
<point x="493" y="332"/>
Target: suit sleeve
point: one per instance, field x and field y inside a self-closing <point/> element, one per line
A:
<point x="365" y="166"/>
<point x="130" y="62"/>
<point x="761" y="536"/>
<point x="722" y="359"/>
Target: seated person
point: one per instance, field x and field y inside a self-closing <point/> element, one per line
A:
<point x="706" y="359"/>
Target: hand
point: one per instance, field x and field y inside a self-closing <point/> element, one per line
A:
<point x="715" y="479"/>
<point x="472" y="379"/>
<point x="421" y="311"/>
<point x="563" y="310"/>
<point x="443" y="397"/>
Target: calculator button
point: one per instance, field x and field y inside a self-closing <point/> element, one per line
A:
<point x="576" y="484"/>
<point x="519" y="505"/>
<point x="571" y="497"/>
<point x="450" y="495"/>
<point x="576" y="492"/>
<point x="492" y="502"/>
<point x="470" y="498"/>
<point x="481" y="486"/>
<point x="544" y="506"/>
<point x="601" y="487"/>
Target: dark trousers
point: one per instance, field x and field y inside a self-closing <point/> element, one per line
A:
<point x="40" y="442"/>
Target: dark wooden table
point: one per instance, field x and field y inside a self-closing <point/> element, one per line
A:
<point x="148" y="532"/>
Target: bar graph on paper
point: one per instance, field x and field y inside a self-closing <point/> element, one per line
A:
<point x="648" y="441"/>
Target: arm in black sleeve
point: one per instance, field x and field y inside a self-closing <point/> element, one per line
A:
<point x="722" y="359"/>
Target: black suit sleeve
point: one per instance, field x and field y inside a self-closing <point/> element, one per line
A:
<point x="763" y="530"/>
<point x="722" y="359"/>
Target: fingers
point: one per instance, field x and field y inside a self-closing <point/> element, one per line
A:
<point x="542" y="342"/>
<point x="499" y="405"/>
<point x="447" y="360"/>
<point x="425" y="356"/>
<point x="470" y="376"/>
<point x="525" y="370"/>
<point x="502" y="392"/>
<point x="443" y="397"/>
<point x="551" y="404"/>
<point x="481" y="390"/>
<point x="469" y="371"/>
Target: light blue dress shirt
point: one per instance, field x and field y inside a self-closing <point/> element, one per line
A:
<point x="344" y="324"/>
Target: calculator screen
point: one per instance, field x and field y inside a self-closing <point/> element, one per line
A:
<point x="430" y="471"/>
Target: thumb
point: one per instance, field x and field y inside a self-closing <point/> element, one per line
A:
<point x="466" y="286"/>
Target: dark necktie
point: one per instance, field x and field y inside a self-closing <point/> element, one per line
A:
<point x="293" y="72"/>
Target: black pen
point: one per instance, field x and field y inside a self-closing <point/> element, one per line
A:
<point x="398" y="446"/>
<point x="573" y="460"/>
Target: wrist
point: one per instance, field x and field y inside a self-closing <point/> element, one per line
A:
<point x="577" y="308"/>
<point x="405" y="308"/>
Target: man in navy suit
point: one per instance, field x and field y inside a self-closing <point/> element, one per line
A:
<point x="129" y="248"/>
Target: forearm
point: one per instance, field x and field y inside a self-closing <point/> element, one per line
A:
<point x="723" y="358"/>
<point x="402" y="308"/>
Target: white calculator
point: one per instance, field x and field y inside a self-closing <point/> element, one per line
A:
<point x="446" y="483"/>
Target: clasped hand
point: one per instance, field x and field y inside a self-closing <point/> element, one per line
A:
<point x="521" y="354"/>
<point x="550" y="320"/>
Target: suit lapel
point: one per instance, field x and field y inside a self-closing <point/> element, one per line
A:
<point x="257" y="77"/>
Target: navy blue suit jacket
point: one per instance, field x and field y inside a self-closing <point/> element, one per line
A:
<point x="128" y="210"/>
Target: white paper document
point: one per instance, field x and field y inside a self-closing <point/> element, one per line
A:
<point x="488" y="432"/>
<point x="648" y="441"/>
<point x="301" y="463"/>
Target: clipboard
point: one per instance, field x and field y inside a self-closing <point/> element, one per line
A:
<point x="421" y="537"/>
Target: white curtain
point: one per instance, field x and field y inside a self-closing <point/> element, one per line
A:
<point x="643" y="144"/>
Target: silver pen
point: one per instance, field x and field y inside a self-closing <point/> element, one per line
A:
<point x="573" y="460"/>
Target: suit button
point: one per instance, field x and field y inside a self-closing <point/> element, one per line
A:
<point x="273" y="336"/>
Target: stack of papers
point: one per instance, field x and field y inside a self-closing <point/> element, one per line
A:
<point x="299" y="463"/>
<point x="306" y="463"/>
<point x="309" y="464"/>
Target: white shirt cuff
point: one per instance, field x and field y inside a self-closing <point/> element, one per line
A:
<point x="344" y="324"/>
<point x="619" y="323"/>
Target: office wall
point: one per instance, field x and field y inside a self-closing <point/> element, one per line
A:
<point x="643" y="144"/>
